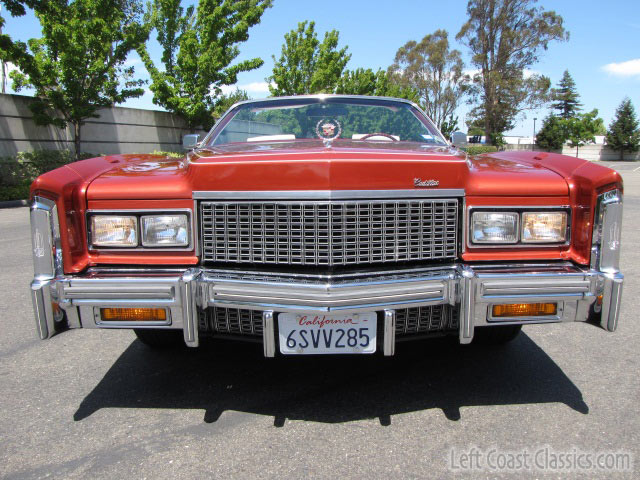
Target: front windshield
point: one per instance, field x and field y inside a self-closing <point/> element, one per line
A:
<point x="328" y="119"/>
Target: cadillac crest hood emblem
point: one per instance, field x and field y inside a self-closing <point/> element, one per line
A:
<point x="328" y="129"/>
<point x="418" y="182"/>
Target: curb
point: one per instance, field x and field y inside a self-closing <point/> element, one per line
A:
<point x="14" y="203"/>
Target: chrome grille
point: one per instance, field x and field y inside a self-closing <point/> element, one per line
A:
<point x="231" y="320"/>
<point x="330" y="232"/>
<point x="432" y="319"/>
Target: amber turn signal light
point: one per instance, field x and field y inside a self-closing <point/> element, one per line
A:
<point x="133" y="314"/>
<point x="525" y="310"/>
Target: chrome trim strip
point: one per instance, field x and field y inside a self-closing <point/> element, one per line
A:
<point x="41" y="298"/>
<point x="188" y="288"/>
<point x="609" y="260"/>
<point x="604" y="200"/>
<point x="611" y="299"/>
<point x="326" y="194"/>
<point x="473" y="287"/>
<point x="46" y="252"/>
<point x="389" y="334"/>
<point x="467" y="313"/>
<point x="322" y="96"/>
<point x="268" y="334"/>
<point x="328" y="296"/>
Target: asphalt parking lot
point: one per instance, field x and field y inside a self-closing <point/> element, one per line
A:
<point x="99" y="404"/>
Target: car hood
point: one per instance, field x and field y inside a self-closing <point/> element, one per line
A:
<point x="313" y="166"/>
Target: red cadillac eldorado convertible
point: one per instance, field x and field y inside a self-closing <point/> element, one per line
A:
<point x="326" y="225"/>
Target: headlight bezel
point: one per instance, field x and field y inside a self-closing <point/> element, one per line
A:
<point x="91" y="227"/>
<point x="144" y="241"/>
<point x="520" y="210"/>
<point x="564" y="223"/>
<point x="516" y="231"/>
<point x="139" y="213"/>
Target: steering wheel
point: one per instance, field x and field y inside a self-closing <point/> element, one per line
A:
<point x="369" y="135"/>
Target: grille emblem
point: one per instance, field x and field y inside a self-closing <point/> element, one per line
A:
<point x="614" y="236"/>
<point x="38" y="244"/>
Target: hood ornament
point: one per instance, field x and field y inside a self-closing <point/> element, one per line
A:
<point x="328" y="129"/>
<point x="418" y="182"/>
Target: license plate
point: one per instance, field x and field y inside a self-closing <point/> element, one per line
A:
<point x="312" y="333"/>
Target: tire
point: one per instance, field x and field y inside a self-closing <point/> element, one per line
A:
<point x="160" y="339"/>
<point x="498" y="335"/>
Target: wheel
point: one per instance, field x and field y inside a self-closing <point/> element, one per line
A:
<point x="160" y="339"/>
<point x="498" y="335"/>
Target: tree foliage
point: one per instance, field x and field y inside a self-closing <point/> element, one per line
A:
<point x="78" y="66"/>
<point x="505" y="38"/>
<point x="435" y="71"/>
<point x="449" y="126"/>
<point x="367" y="82"/>
<point x="577" y="131"/>
<point x="624" y="134"/>
<point x="15" y="51"/>
<point x="582" y="128"/>
<point x="566" y="99"/>
<point x="552" y="135"/>
<point x="307" y="65"/>
<point x="226" y="101"/>
<point x="199" y="46"/>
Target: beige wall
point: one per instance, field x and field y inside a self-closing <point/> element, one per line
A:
<point x="117" y="130"/>
<point x="588" y="152"/>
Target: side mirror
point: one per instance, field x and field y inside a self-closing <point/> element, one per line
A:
<point x="190" y="141"/>
<point x="459" y="139"/>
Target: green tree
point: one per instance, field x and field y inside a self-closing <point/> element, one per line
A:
<point x="582" y="128"/>
<point x="577" y="131"/>
<point x="199" y="46"/>
<point x="624" y="134"/>
<point x="367" y="82"/>
<point x="10" y="51"/>
<point x="78" y="66"/>
<point x="474" y="127"/>
<point x="553" y="133"/>
<point x="307" y="65"/>
<point x="449" y="126"/>
<point x="435" y="71"/>
<point x="226" y="101"/>
<point x="505" y="38"/>
<point x="566" y="99"/>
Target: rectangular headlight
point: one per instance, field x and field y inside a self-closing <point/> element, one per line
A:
<point x="544" y="227"/>
<point x="494" y="227"/>
<point x="165" y="230"/>
<point x="114" y="231"/>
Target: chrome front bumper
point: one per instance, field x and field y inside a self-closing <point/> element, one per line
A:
<point x="581" y="293"/>
<point x="473" y="288"/>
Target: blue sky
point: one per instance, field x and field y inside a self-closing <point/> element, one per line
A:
<point x="602" y="55"/>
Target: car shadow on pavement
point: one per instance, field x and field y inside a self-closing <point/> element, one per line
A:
<point x="224" y="375"/>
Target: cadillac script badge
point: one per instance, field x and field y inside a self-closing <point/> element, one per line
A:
<point x="418" y="182"/>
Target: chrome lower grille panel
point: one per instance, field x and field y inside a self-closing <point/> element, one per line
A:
<point x="431" y="319"/>
<point x="233" y="321"/>
<point x="409" y="321"/>
<point x="329" y="232"/>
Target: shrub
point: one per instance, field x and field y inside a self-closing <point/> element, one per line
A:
<point x="480" y="149"/>
<point x="169" y="154"/>
<point x="18" y="172"/>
